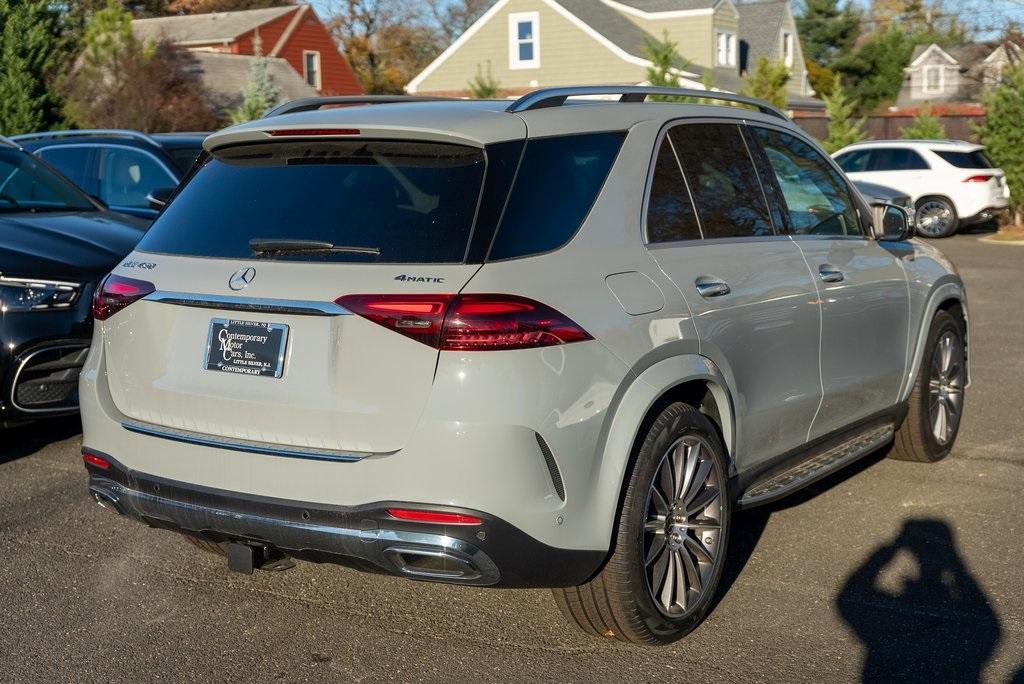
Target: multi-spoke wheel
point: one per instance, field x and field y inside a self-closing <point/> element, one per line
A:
<point x="937" y="400"/>
<point x="669" y="549"/>
<point x="936" y="217"/>
<point x="684" y="522"/>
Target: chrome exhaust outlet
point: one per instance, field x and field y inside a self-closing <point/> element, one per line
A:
<point x="433" y="563"/>
<point x="106" y="500"/>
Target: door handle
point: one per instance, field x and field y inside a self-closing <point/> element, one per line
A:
<point x="708" y="286"/>
<point x="830" y="274"/>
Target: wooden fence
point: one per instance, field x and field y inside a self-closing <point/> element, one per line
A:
<point x="888" y="126"/>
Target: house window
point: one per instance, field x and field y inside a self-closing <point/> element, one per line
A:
<point x="725" y="49"/>
<point x="934" y="77"/>
<point x="311" y="68"/>
<point x="787" y="49"/>
<point x="524" y="40"/>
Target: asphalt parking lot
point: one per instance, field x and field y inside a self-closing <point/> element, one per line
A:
<point x="887" y="570"/>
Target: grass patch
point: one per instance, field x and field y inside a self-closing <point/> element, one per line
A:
<point x="1010" y="233"/>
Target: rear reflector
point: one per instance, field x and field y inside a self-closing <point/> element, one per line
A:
<point x="94" y="460"/>
<point x="438" y="517"/>
<point x="117" y="292"/>
<point x="469" y="322"/>
<point x="300" y="132"/>
<point x="980" y="178"/>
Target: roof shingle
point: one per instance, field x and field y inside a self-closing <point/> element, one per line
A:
<point x="215" y="27"/>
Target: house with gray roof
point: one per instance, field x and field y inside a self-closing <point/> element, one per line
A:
<point x="526" y="44"/>
<point x="957" y="73"/>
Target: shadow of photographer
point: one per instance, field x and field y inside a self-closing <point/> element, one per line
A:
<point x="918" y="611"/>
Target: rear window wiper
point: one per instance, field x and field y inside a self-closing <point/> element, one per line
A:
<point x="261" y="246"/>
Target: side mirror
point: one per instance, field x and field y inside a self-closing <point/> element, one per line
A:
<point x="158" y="197"/>
<point x="896" y="225"/>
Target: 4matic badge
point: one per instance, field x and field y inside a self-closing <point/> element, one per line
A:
<point x="418" y="279"/>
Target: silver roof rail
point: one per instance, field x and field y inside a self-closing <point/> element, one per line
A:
<point x="556" y="97"/>
<point x="86" y="133"/>
<point x="309" y="104"/>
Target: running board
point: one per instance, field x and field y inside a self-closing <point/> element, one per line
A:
<point x="816" y="467"/>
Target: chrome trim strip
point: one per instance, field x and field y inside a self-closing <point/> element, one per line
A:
<point x="253" y="304"/>
<point x="248" y="446"/>
<point x="21" y="367"/>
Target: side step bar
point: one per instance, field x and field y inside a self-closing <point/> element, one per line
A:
<point x="817" y="466"/>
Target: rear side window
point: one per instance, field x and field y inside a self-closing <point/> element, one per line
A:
<point x="722" y="179"/>
<point x="670" y="214"/>
<point x="414" y="202"/>
<point x="965" y="160"/>
<point x="558" y="180"/>
<point x="896" y="159"/>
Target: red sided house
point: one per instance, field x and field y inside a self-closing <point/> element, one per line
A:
<point x="303" y="57"/>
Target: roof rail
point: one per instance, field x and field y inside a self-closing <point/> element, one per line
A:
<point x="309" y="104"/>
<point x="556" y="97"/>
<point x="85" y="133"/>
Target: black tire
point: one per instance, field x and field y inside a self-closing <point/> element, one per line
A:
<point x="205" y="544"/>
<point x="916" y="439"/>
<point x="618" y="602"/>
<point x="948" y="225"/>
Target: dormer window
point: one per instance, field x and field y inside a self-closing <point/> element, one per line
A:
<point x="934" y="78"/>
<point x="524" y="40"/>
<point x="725" y="49"/>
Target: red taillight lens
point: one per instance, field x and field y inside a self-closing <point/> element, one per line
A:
<point x="434" y="517"/>
<point x="117" y="292"/>
<point x="94" y="460"/>
<point x="980" y="178"/>
<point x="306" y="132"/>
<point x="470" y="322"/>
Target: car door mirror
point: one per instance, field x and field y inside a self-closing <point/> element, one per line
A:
<point x="158" y="197"/>
<point x="895" y="224"/>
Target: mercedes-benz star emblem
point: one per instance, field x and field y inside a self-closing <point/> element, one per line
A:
<point x="242" y="278"/>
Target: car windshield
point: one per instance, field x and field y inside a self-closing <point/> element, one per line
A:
<point x="26" y="184"/>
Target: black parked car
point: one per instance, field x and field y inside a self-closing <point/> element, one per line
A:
<point x="56" y="243"/>
<point x="121" y="168"/>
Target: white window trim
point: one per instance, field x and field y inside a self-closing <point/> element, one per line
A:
<point x="924" y="79"/>
<point x="514" y="19"/>
<point x="730" y="48"/>
<point x="319" y="69"/>
<point x="788" y="48"/>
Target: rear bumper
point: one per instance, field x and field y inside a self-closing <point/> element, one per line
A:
<point x="986" y="214"/>
<point x="366" y="537"/>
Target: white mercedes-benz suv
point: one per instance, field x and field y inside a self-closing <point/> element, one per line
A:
<point x="549" y="343"/>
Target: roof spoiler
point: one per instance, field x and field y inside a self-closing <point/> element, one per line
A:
<point x="309" y="104"/>
<point x="556" y="97"/>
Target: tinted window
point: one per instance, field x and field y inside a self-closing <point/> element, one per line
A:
<point x="670" y="215"/>
<point x="75" y="163"/>
<point x="413" y="201"/>
<point x="818" y="201"/>
<point x="557" y="183"/>
<point x="184" y="157"/>
<point x="127" y="176"/>
<point x="854" y="162"/>
<point x="27" y="185"/>
<point x="965" y="160"/>
<point x="896" y="159"/>
<point x="722" y="180"/>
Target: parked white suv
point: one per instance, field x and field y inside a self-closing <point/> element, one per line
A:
<point x="550" y="343"/>
<point x="951" y="182"/>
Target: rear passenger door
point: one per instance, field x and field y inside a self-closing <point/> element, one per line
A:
<point x="898" y="167"/>
<point x="862" y="286"/>
<point x="710" y="228"/>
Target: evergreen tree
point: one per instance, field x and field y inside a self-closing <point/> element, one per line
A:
<point x="925" y="126"/>
<point x="874" y="72"/>
<point x="665" y="64"/>
<point x="484" y="86"/>
<point x="30" y="51"/>
<point x="843" y="128"/>
<point x="1003" y="135"/>
<point x="768" y="82"/>
<point x="827" y="30"/>
<point x="260" y="94"/>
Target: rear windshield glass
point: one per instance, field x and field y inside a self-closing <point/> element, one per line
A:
<point x="401" y="202"/>
<point x="965" y="160"/>
<point x="184" y="157"/>
<point x="557" y="182"/>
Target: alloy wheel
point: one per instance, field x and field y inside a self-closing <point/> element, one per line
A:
<point x="685" y="517"/>
<point x="945" y="388"/>
<point x="934" y="218"/>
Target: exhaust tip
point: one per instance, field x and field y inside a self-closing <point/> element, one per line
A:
<point x="105" y="500"/>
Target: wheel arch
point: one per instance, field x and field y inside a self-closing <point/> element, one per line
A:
<point x="951" y="297"/>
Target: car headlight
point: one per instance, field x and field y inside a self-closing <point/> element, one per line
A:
<point x="29" y="294"/>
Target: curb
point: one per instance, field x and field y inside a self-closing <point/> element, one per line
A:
<point x="991" y="241"/>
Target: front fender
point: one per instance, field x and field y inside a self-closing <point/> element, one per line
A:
<point x="950" y="287"/>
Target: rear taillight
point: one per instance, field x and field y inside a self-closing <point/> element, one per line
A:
<point x="980" y="178"/>
<point x="117" y="292"/>
<point x="469" y="322"/>
<point x="438" y="517"/>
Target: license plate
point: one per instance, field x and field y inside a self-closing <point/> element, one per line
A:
<point x="246" y="347"/>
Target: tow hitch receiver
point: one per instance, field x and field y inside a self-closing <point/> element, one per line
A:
<point x="245" y="558"/>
